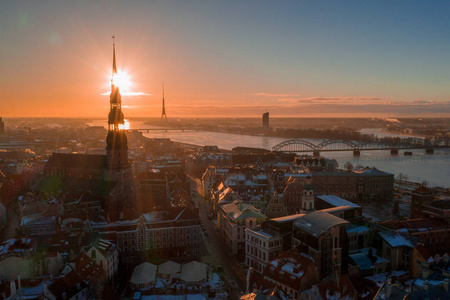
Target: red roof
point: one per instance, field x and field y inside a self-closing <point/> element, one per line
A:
<point x="71" y="284"/>
<point x="423" y="190"/>
<point x="417" y="223"/>
<point x="342" y="285"/>
<point x="290" y="268"/>
<point x="87" y="268"/>
<point x="258" y="282"/>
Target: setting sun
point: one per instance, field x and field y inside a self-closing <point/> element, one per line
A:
<point x="122" y="80"/>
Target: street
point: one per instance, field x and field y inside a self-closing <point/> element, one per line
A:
<point x="233" y="271"/>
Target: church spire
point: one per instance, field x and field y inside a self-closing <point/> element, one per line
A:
<point x="114" y="67"/>
<point x="115" y="117"/>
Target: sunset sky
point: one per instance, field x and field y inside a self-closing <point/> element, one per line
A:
<point x="227" y="58"/>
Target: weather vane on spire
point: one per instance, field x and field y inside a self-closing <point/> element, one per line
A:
<point x="113" y="40"/>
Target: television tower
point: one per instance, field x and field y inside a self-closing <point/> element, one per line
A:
<point x="163" y="115"/>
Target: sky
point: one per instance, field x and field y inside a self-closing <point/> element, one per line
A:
<point x="234" y="58"/>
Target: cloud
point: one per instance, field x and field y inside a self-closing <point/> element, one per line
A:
<point x="274" y="95"/>
<point x="339" y="99"/>
<point x="312" y="107"/>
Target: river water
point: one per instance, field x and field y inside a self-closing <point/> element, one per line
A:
<point x="435" y="168"/>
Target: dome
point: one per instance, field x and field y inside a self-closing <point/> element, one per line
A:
<point x="116" y="116"/>
<point x="116" y="140"/>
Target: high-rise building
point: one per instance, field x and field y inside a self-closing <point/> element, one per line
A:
<point x="2" y="126"/>
<point x="265" y="120"/>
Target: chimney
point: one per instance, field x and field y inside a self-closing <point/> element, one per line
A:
<point x="388" y="290"/>
<point x="249" y="274"/>
<point x="445" y="284"/>
<point x="425" y="273"/>
<point x="425" y="286"/>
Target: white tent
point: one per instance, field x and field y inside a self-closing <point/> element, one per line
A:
<point x="169" y="268"/>
<point x="144" y="275"/>
<point x="193" y="272"/>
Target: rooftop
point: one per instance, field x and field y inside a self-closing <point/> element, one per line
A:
<point x="336" y="201"/>
<point x="395" y="239"/>
<point x="318" y="222"/>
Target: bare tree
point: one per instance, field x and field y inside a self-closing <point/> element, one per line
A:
<point x="348" y="165"/>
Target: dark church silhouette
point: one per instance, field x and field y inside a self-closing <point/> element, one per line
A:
<point x="107" y="176"/>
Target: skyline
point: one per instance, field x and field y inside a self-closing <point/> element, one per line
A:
<point x="295" y="59"/>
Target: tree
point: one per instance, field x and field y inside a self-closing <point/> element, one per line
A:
<point x="348" y="165"/>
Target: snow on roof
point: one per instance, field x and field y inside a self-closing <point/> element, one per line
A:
<point x="17" y="245"/>
<point x="260" y="233"/>
<point x="240" y="211"/>
<point x="37" y="219"/>
<point x="336" y="201"/>
<point x="144" y="273"/>
<point x="362" y="261"/>
<point x="356" y="229"/>
<point x="369" y="171"/>
<point x="379" y="278"/>
<point x="395" y="239"/>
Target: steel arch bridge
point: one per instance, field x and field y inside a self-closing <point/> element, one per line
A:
<point x="295" y="146"/>
<point x="299" y="145"/>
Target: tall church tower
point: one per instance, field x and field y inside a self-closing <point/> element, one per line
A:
<point x="122" y="198"/>
<point x="116" y="141"/>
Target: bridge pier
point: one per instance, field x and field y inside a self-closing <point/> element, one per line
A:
<point x="356" y="153"/>
<point x="394" y="152"/>
<point x="316" y="153"/>
<point x="429" y="151"/>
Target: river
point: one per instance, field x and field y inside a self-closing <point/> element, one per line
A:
<point x="435" y="168"/>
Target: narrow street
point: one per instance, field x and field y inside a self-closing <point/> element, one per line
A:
<point x="232" y="270"/>
<point x="12" y="221"/>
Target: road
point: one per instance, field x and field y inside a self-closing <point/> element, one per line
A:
<point x="232" y="269"/>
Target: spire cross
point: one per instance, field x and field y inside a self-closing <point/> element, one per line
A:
<point x="113" y="40"/>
